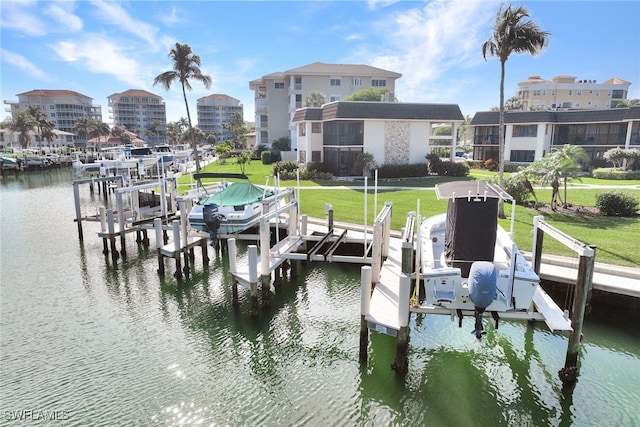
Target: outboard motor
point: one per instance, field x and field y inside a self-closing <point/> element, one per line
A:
<point x="212" y="220"/>
<point x="482" y="285"/>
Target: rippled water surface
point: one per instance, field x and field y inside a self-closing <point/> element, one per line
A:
<point x="93" y="342"/>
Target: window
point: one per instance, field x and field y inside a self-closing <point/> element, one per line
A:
<point x="522" y="155"/>
<point x="298" y="100"/>
<point x="315" y="156"/>
<point x="316" y="127"/>
<point x="520" y="131"/>
<point x="334" y="98"/>
<point x="378" y="83"/>
<point x="579" y="92"/>
<point x="617" y="94"/>
<point x="356" y="82"/>
<point x="570" y="92"/>
<point x="335" y="82"/>
<point x="279" y="85"/>
<point x="264" y="136"/>
<point x="302" y="131"/>
<point x="297" y="83"/>
<point x="536" y="93"/>
<point x="264" y="121"/>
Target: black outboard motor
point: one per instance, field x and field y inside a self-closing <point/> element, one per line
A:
<point x="482" y="290"/>
<point x="212" y="219"/>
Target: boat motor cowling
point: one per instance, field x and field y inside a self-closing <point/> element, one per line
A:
<point x="482" y="283"/>
<point x="212" y="219"/>
<point x="482" y="286"/>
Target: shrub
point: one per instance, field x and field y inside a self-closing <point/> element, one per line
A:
<point x="414" y="170"/>
<point x="615" y="203"/>
<point x="613" y="173"/>
<point x="265" y="156"/>
<point x="284" y="167"/>
<point x="490" y="164"/>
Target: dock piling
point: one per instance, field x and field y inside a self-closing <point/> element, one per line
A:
<point x="365" y="302"/>
<point x="401" y="362"/>
<point x="157" y="225"/>
<point x="253" y="278"/>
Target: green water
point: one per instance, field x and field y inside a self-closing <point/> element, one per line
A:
<point x="98" y="343"/>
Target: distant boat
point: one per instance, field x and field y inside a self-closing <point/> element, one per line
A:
<point x="233" y="209"/>
<point x="468" y="261"/>
<point x="9" y="163"/>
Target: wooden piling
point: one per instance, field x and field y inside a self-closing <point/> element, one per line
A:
<point x="76" y="198"/>
<point x="157" y="225"/>
<point x="176" y="247"/>
<point x="401" y="362"/>
<point x="233" y="268"/>
<point x="365" y="302"/>
<point x="265" y="273"/>
<point x="253" y="278"/>
<point x="570" y="372"/>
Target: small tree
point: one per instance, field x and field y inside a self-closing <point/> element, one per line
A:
<point x="243" y="160"/>
<point x="371" y="94"/>
<point x="238" y="130"/>
<point x="315" y="99"/>
<point x="282" y="144"/>
<point x="363" y="164"/>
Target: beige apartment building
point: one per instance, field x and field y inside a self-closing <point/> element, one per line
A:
<point x="216" y="110"/>
<point x="536" y="93"/>
<point x="278" y="95"/>
<point x="62" y="107"/>
<point x="141" y="112"/>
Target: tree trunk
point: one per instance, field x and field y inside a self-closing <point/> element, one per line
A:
<point x="194" y="146"/>
<point x="501" y="139"/>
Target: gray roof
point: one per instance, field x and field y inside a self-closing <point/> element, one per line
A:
<point x="491" y="118"/>
<point x="381" y="110"/>
<point x="343" y="70"/>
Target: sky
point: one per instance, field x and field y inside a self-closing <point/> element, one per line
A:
<point x="99" y="48"/>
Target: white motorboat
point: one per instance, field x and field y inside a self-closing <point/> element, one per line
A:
<point x="468" y="261"/>
<point x="232" y="209"/>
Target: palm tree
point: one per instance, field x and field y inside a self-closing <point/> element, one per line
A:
<point x="83" y="127"/>
<point x="186" y="66"/>
<point x="512" y="33"/>
<point x="99" y="129"/>
<point x="23" y="123"/>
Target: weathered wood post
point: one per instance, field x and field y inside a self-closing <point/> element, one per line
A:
<point x="157" y="225"/>
<point x="76" y="199"/>
<point x="122" y="224"/>
<point x="401" y="363"/>
<point x="328" y="210"/>
<point x="112" y="237"/>
<point x="233" y="269"/>
<point x="265" y="273"/>
<point x="365" y="302"/>
<point x="175" y="224"/>
<point x="184" y="236"/>
<point x="103" y="228"/>
<point x="569" y="374"/>
<point x="253" y="278"/>
<point x="538" y="239"/>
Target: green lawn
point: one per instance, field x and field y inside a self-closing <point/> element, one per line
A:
<point x="616" y="239"/>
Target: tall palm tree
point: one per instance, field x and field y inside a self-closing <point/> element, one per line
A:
<point x="23" y="123"/>
<point x="83" y="127"/>
<point x="186" y="65"/>
<point x="98" y="130"/>
<point x="511" y="33"/>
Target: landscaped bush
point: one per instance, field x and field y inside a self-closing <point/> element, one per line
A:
<point x="615" y="203"/>
<point x="284" y="167"/>
<point x="490" y="164"/>
<point x="415" y="170"/>
<point x="265" y="156"/>
<point x="438" y="167"/>
<point x="614" y="173"/>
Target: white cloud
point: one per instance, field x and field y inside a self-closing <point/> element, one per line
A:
<point x="19" y="61"/>
<point x="66" y="19"/>
<point x="113" y="14"/>
<point x="101" y="55"/>
<point x="19" y="16"/>
<point x="429" y="42"/>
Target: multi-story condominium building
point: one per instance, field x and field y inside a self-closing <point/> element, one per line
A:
<point x="216" y="110"/>
<point x="62" y="107"/>
<point x="278" y="95"/>
<point x="392" y="132"/>
<point x="529" y="135"/>
<point x="141" y="112"/>
<point x="536" y="93"/>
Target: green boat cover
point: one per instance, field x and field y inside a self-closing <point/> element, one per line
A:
<point x="238" y="194"/>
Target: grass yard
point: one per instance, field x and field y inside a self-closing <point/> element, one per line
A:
<point x="616" y="239"/>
